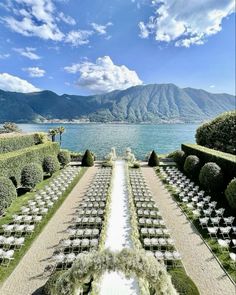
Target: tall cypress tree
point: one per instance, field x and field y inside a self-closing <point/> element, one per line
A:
<point x="153" y="159"/>
<point x="87" y="160"/>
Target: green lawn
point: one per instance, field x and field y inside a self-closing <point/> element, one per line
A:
<point x="15" y="207"/>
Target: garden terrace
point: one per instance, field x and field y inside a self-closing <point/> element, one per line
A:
<point x="12" y="163"/>
<point x="84" y="233"/>
<point x="214" y="224"/>
<point x="226" y="161"/>
<point x="28" y="215"/>
<point x="25" y="221"/>
<point x="10" y="142"/>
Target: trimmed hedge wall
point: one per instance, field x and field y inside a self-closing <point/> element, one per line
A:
<point x="18" y="142"/>
<point x="12" y="163"/>
<point x="227" y="162"/>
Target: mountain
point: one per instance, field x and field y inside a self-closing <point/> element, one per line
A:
<point x="146" y="103"/>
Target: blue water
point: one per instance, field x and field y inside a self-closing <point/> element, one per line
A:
<point x="141" y="138"/>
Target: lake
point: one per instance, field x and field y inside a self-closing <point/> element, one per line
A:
<point x="141" y="138"/>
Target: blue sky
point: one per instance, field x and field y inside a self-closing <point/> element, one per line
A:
<point x="96" y="46"/>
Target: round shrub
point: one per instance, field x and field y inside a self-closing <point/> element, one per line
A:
<point x="50" y="165"/>
<point x="183" y="283"/>
<point x="211" y="177"/>
<point x="219" y="134"/>
<point x="107" y="164"/>
<point x="153" y="160"/>
<point x="136" y="165"/>
<point x="230" y="193"/>
<point x="179" y="158"/>
<point x="7" y="192"/>
<point x="64" y="158"/>
<point x="87" y="160"/>
<point x="31" y="174"/>
<point x="192" y="166"/>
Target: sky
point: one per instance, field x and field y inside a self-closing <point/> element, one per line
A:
<point x="95" y="46"/>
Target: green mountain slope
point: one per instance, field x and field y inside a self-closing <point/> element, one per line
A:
<point x="148" y="103"/>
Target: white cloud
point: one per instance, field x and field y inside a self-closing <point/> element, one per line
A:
<point x="28" y="52"/>
<point x="34" y="18"/>
<point x="186" y="22"/>
<point x="212" y="86"/>
<point x="13" y="83"/>
<point x="101" y="29"/>
<point x="103" y="75"/>
<point x="35" y="72"/>
<point x="144" y="33"/>
<point x="77" y="38"/>
<point x="4" y="55"/>
<point x="67" y="19"/>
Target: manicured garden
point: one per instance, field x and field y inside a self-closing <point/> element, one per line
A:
<point x="204" y="185"/>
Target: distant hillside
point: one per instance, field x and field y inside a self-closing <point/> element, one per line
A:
<point x="150" y="103"/>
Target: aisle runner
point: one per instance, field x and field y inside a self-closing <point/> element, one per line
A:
<point x="118" y="235"/>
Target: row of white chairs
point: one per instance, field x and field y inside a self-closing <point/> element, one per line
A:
<point x="153" y="232"/>
<point x="85" y="228"/>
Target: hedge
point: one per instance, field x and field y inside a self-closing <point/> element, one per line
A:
<point x="183" y="283"/>
<point x="12" y="163"/>
<point x="227" y="162"/>
<point x="18" y="142"/>
<point x="219" y="134"/>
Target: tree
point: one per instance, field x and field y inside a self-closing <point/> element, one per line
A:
<point x="211" y="177"/>
<point x="60" y="130"/>
<point x="31" y="174"/>
<point x="192" y="166"/>
<point x="219" y="134"/>
<point x="50" y="164"/>
<point x="153" y="159"/>
<point x="7" y="192"/>
<point x="11" y="127"/>
<point x="230" y="193"/>
<point x="87" y="160"/>
<point x="53" y="133"/>
<point x="64" y="158"/>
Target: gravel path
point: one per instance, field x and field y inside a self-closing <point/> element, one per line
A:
<point x="118" y="235"/>
<point x="26" y="279"/>
<point x="199" y="262"/>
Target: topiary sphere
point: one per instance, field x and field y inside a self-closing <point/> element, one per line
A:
<point x="64" y="158"/>
<point x="50" y="165"/>
<point x="7" y="192"/>
<point x="211" y="177"/>
<point x="31" y="174"/>
<point x="192" y="166"/>
<point x="230" y="193"/>
<point x="87" y="160"/>
<point x="179" y="158"/>
<point x="153" y="160"/>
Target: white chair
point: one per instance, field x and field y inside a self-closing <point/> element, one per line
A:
<point x="204" y="221"/>
<point x="7" y="256"/>
<point x="225" y="231"/>
<point x="212" y="231"/>
<point x="224" y="244"/>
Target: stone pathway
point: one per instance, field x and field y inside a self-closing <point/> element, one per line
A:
<point x="26" y="279"/>
<point x="199" y="262"/>
<point x="118" y="235"/>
